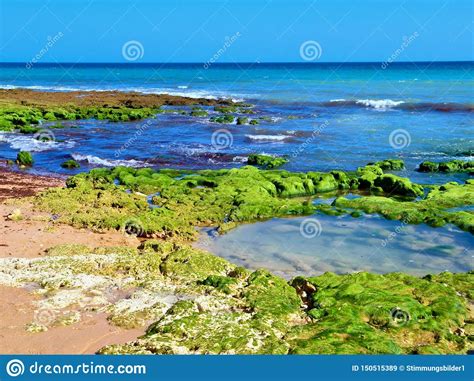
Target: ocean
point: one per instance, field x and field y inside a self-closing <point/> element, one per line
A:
<point x="324" y="116"/>
<point x="321" y="116"/>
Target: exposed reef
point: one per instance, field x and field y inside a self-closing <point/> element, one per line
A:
<point x="25" y="110"/>
<point x="447" y="166"/>
<point x="113" y="198"/>
<point x="200" y="303"/>
<point x="195" y="302"/>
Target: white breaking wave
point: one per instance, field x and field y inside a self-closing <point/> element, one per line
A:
<point x="278" y="138"/>
<point x="107" y="162"/>
<point x="379" y="104"/>
<point x="24" y="142"/>
<point x="239" y="159"/>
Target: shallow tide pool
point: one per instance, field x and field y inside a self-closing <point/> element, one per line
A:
<point x="316" y="244"/>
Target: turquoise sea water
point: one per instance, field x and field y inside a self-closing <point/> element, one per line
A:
<point x="343" y="114"/>
<point x="323" y="116"/>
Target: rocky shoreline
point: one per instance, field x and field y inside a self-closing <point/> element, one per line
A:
<point x="195" y="302"/>
<point x="148" y="276"/>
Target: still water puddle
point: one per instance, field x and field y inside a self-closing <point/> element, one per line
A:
<point x="290" y="247"/>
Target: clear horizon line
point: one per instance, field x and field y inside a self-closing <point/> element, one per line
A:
<point x="232" y="63"/>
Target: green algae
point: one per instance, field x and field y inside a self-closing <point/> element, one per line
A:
<point x="199" y="113"/>
<point x="242" y="120"/>
<point x="390" y="164"/>
<point x="226" y="119"/>
<point x="25" y="119"/>
<point x="432" y="210"/>
<point x="266" y="161"/>
<point x="392" y="313"/>
<point x="198" y="303"/>
<point x="24" y="158"/>
<point x="70" y="164"/>
<point x="115" y="198"/>
<point x="447" y="166"/>
<point x="222" y="308"/>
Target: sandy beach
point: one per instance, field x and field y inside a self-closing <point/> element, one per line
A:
<point x="30" y="237"/>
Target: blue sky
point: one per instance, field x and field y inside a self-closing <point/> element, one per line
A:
<point x="267" y="31"/>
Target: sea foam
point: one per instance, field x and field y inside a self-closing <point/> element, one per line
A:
<point x="95" y="160"/>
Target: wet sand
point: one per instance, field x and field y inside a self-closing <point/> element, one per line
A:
<point x="18" y="184"/>
<point x="85" y="337"/>
<point x="30" y="237"/>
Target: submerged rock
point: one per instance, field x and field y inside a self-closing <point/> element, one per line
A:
<point x="70" y="164"/>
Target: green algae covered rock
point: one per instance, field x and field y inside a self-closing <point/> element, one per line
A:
<point x="24" y="158"/>
<point x="193" y="265"/>
<point x="25" y="118"/>
<point x="393" y="313"/>
<point x="70" y="164"/>
<point x="242" y="120"/>
<point x="433" y="210"/>
<point x="195" y="302"/>
<point x="392" y="184"/>
<point x="360" y="313"/>
<point x="428" y="166"/>
<point x="226" y="119"/>
<point x="266" y="161"/>
<point x="390" y="164"/>
<point x="116" y="198"/>
<point x="447" y="166"/>
<point x="199" y="113"/>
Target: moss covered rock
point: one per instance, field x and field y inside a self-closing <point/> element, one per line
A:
<point x="266" y="161"/>
<point x="24" y="158"/>
<point x="70" y="164"/>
